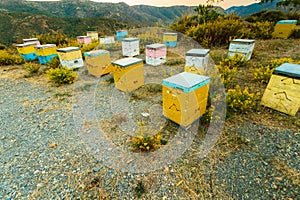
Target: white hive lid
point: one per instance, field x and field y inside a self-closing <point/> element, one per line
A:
<point x="155" y="46"/>
<point x="68" y="49"/>
<point x="197" y="52"/>
<point x="124" y="62"/>
<point x="243" y="41"/>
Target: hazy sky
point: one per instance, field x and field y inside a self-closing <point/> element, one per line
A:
<point x="225" y="4"/>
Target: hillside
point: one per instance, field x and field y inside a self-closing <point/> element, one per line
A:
<point x="15" y="26"/>
<point x="84" y="9"/>
<point x="244" y="11"/>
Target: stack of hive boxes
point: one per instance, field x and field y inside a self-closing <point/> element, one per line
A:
<point x="107" y="40"/>
<point x="282" y="92"/>
<point x="185" y="97"/>
<point x="196" y="61"/>
<point x="170" y="39"/>
<point x="31" y="40"/>
<point x="27" y="50"/>
<point x="284" y="28"/>
<point x="84" y="39"/>
<point x="93" y="35"/>
<point x="130" y="47"/>
<point x="98" y="62"/>
<point x="70" y="57"/>
<point x="45" y="52"/>
<point x="242" y="47"/>
<point x="128" y="74"/>
<point x="156" y="54"/>
<point x="121" y="34"/>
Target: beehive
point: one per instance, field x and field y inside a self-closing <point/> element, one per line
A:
<point x="27" y="50"/>
<point x="45" y="53"/>
<point x="93" y="35"/>
<point x="121" y="34"/>
<point x="242" y="47"/>
<point x="185" y="97"/>
<point x="282" y="92"/>
<point x="30" y="40"/>
<point x="284" y="28"/>
<point x="170" y="39"/>
<point x="98" y="62"/>
<point x="70" y="57"/>
<point x="107" y="40"/>
<point x="196" y="61"/>
<point x="128" y="74"/>
<point x="156" y="54"/>
<point x="84" y="39"/>
<point x="130" y="47"/>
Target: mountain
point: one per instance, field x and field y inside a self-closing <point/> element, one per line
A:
<point x="143" y="15"/>
<point x="244" y="11"/>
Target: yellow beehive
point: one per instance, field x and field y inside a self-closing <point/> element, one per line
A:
<point x="98" y="62"/>
<point x="45" y="50"/>
<point x="128" y="74"/>
<point x="284" y="28"/>
<point x="282" y="92"/>
<point x="92" y="34"/>
<point x="69" y="53"/>
<point x="185" y="97"/>
<point x="170" y="37"/>
<point x="26" y="48"/>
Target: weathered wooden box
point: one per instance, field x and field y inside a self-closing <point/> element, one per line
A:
<point x="196" y="61"/>
<point x="121" y="34"/>
<point x="84" y="39"/>
<point x="170" y="39"/>
<point x="27" y="50"/>
<point x="70" y="57"/>
<point x="156" y="54"/>
<point x="45" y="53"/>
<point x="98" y="62"/>
<point x="242" y="47"/>
<point x="93" y="35"/>
<point x="130" y="47"/>
<point x="284" y="28"/>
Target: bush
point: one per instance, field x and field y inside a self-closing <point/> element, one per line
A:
<point x="262" y="30"/>
<point x="228" y="75"/>
<point x="54" y="63"/>
<point x="236" y="61"/>
<point x="239" y="100"/>
<point x="262" y="74"/>
<point x="32" y="68"/>
<point x="58" y="39"/>
<point x="277" y="62"/>
<point x="266" y="15"/>
<point x="296" y="33"/>
<point x="9" y="58"/>
<point x="62" y="76"/>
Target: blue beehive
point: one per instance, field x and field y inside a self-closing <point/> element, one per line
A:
<point x="121" y="34"/>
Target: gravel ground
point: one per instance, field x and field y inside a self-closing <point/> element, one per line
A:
<point x="43" y="157"/>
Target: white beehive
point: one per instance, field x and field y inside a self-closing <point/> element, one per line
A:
<point x="241" y="46"/>
<point x="130" y="47"/>
<point x="196" y="60"/>
<point x="107" y="40"/>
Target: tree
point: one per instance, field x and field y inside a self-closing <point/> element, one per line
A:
<point x="291" y="4"/>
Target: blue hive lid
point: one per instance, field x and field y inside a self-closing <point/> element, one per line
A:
<point x="287" y="22"/>
<point x="44" y="46"/>
<point x="197" y="52"/>
<point x="243" y="41"/>
<point x="288" y="69"/>
<point x="68" y="49"/>
<point x="155" y="46"/>
<point x="95" y="53"/>
<point x="186" y="81"/>
<point x="125" y="62"/>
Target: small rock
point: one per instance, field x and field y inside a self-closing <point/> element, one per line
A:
<point x="52" y="145"/>
<point x="96" y="169"/>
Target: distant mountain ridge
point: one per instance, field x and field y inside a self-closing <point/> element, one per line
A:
<point x="244" y="11"/>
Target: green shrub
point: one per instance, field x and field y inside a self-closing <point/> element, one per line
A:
<point x="228" y="74"/>
<point x="266" y="15"/>
<point x="235" y="61"/>
<point x="262" y="74"/>
<point x="9" y="58"/>
<point x="296" y="33"/>
<point x="62" y="76"/>
<point x="239" y="100"/>
<point x="172" y="62"/>
<point x="54" y="63"/>
<point x="31" y="68"/>
<point x="277" y="62"/>
<point x="262" y="30"/>
<point x="58" y="39"/>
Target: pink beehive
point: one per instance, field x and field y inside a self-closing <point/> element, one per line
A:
<point x="84" y="39"/>
<point x="156" y="54"/>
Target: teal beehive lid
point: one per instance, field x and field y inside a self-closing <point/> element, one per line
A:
<point x="287" y="22"/>
<point x="186" y="81"/>
<point x="126" y="62"/>
<point x="95" y="53"/>
<point x="288" y="69"/>
<point x="68" y="49"/>
<point x="197" y="52"/>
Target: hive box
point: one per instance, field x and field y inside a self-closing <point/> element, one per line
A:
<point x="156" y="54"/>
<point x="121" y="34"/>
<point x="30" y="40"/>
<point x="284" y="28"/>
<point x="130" y="47"/>
<point x="185" y="97"/>
<point x="84" y="39"/>
<point x="242" y="47"/>
<point x="107" y="40"/>
<point x="170" y="39"/>
<point x="196" y="61"/>
<point x="70" y="57"/>
<point x="283" y="90"/>
<point x="98" y="62"/>
<point x="93" y="35"/>
<point x="45" y="53"/>
<point x="27" y="50"/>
<point x="128" y="74"/>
